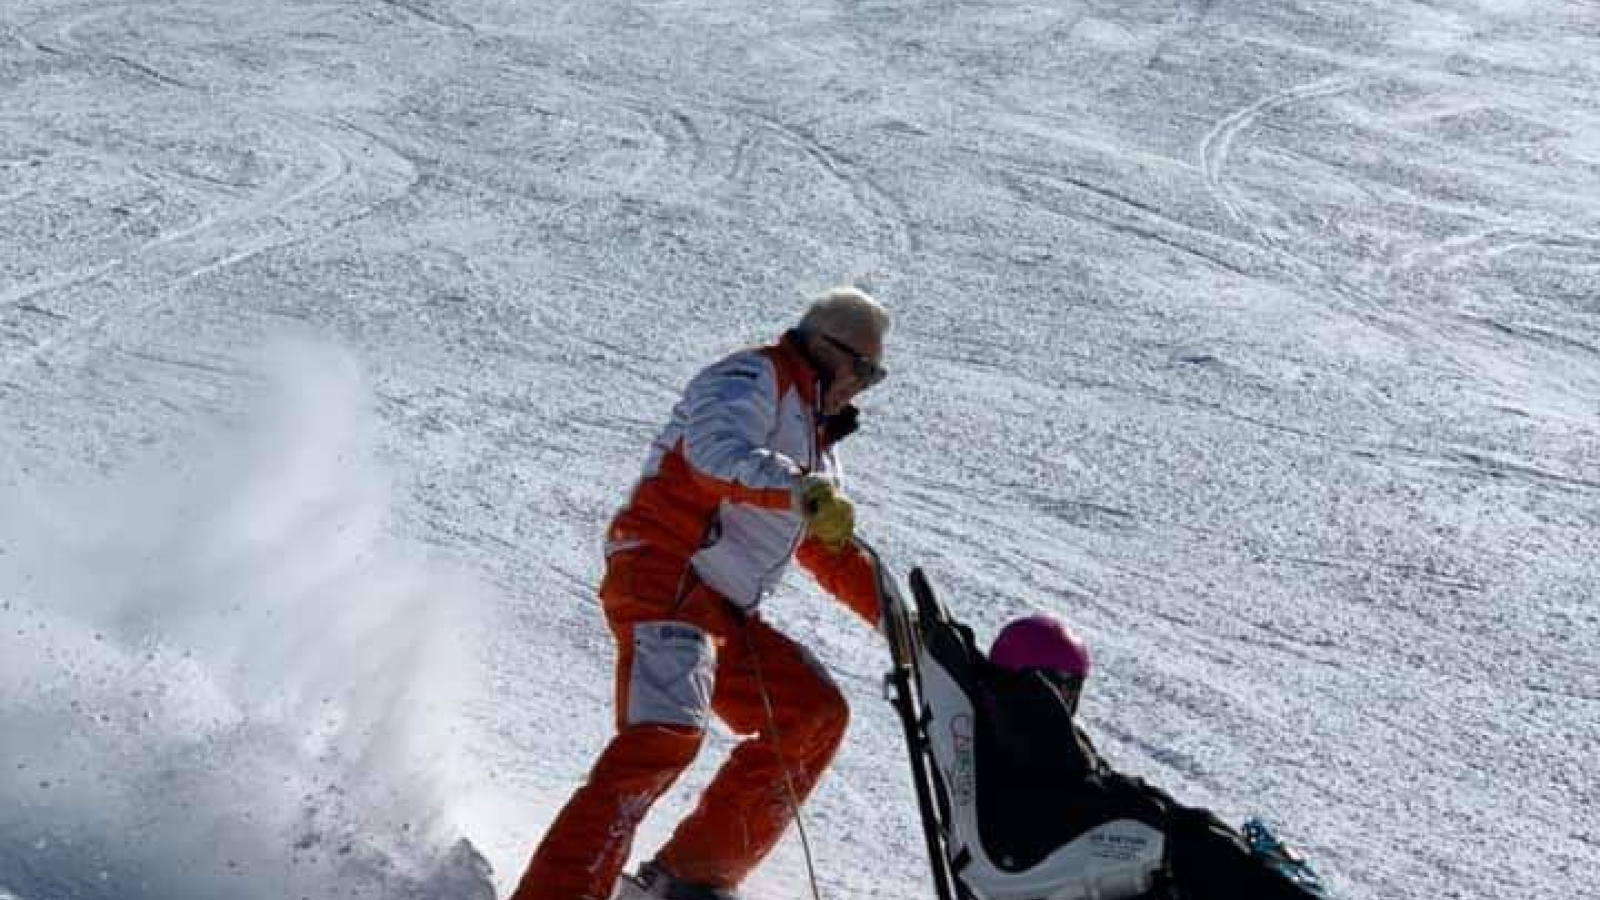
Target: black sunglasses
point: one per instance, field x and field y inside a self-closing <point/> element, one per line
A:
<point x="867" y="371"/>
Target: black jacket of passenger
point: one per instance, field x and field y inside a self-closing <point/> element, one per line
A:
<point x="1044" y="784"/>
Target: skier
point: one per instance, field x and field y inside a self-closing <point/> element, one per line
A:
<point x="1055" y="774"/>
<point x="742" y="478"/>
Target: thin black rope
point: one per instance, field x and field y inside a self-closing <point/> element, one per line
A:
<point x="790" y="794"/>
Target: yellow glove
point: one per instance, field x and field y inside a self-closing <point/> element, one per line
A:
<point x="828" y="514"/>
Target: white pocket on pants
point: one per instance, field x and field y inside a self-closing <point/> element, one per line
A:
<point x="674" y="668"/>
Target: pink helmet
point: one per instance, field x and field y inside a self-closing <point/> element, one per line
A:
<point x="1040" y="642"/>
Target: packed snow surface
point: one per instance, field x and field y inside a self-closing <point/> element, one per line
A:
<point x="1261" y="340"/>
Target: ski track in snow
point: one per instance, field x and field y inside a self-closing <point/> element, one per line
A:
<point x="1217" y="145"/>
<point x="1258" y="340"/>
<point x="170" y="262"/>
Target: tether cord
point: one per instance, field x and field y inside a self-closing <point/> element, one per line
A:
<point x="790" y="793"/>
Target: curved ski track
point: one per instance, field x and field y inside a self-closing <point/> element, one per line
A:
<point x="879" y="205"/>
<point x="1217" y="145"/>
<point x="168" y="258"/>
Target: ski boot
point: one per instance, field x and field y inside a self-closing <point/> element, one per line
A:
<point x="1283" y="859"/>
<point x="656" y="883"/>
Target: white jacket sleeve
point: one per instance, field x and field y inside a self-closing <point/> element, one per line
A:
<point x="730" y="410"/>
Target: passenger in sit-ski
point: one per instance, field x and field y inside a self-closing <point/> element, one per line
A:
<point x="1049" y="784"/>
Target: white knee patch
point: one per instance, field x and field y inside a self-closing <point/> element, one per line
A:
<point x="674" y="668"/>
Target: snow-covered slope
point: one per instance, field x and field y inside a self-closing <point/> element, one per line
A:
<point x="1260" y="340"/>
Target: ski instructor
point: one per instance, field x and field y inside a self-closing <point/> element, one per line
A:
<point x="742" y="479"/>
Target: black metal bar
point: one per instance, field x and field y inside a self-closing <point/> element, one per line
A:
<point x="916" y="744"/>
<point x="898" y="628"/>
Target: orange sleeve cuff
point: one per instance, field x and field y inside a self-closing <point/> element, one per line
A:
<point x="847" y="574"/>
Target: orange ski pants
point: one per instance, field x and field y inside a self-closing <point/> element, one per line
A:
<point x="683" y="653"/>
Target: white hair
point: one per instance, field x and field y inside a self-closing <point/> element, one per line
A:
<point x="845" y="312"/>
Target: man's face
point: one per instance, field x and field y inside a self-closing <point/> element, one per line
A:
<point x="855" y="363"/>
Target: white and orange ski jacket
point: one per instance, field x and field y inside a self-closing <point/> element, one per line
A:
<point x="717" y="485"/>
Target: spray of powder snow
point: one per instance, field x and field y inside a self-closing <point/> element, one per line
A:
<point x="219" y="677"/>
